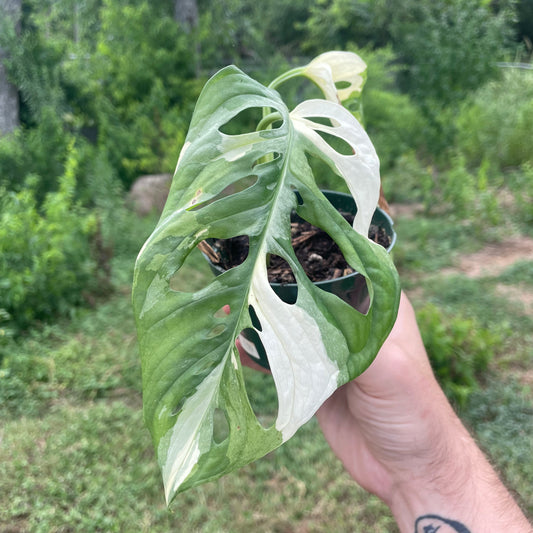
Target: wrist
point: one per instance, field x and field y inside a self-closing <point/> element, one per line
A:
<point x="442" y="487"/>
<point x="440" y="480"/>
<point x="455" y="487"/>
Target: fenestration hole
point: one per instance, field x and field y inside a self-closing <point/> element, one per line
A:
<point x="226" y="253"/>
<point x="338" y="144"/>
<point x="193" y="275"/>
<point x="260" y="386"/>
<point x="202" y="200"/>
<point x="255" y="320"/>
<point x="243" y="122"/>
<point x="356" y="296"/>
<point x="279" y="270"/>
<point x="267" y="158"/>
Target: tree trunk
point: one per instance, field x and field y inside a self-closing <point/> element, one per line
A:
<point x="186" y="13"/>
<point x="9" y="103"/>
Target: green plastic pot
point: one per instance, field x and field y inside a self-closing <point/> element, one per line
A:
<point x="351" y="288"/>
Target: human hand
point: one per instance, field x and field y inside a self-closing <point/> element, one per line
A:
<point x="385" y="420"/>
<point x="399" y="438"/>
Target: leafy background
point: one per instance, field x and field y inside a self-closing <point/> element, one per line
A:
<point x="106" y="92"/>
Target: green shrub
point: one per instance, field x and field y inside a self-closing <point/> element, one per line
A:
<point x="459" y="188"/>
<point x="466" y="195"/>
<point x="394" y="124"/>
<point x="45" y="253"/>
<point x="331" y="24"/>
<point x="148" y="86"/>
<point x="40" y="151"/>
<point x="495" y="122"/>
<point x="448" y="47"/>
<point x="409" y="180"/>
<point x="520" y="183"/>
<point x="121" y="74"/>
<point x="459" y="350"/>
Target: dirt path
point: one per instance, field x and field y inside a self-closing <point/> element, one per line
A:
<point x="493" y="259"/>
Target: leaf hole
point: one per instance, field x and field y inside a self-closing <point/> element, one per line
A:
<point x="338" y="144"/>
<point x="267" y="158"/>
<point x="203" y="199"/>
<point x="192" y="276"/>
<point x="342" y="84"/>
<point x="356" y="296"/>
<point x="220" y="426"/>
<point x="243" y="122"/>
<point x="255" y="320"/>
<point x="279" y="271"/>
<point x="325" y="121"/>
<point x="225" y="254"/>
<point x="250" y="341"/>
<point x="260" y="386"/>
<point x="299" y="199"/>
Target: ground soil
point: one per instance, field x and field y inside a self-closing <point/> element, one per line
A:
<point x="492" y="260"/>
<point x="318" y="254"/>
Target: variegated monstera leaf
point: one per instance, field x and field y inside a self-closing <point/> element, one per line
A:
<point x="190" y="365"/>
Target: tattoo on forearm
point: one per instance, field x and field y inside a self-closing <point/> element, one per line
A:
<point x="437" y="524"/>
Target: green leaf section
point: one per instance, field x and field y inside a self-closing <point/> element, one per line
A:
<point x="191" y="368"/>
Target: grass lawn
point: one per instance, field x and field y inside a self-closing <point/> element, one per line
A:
<point x="75" y="455"/>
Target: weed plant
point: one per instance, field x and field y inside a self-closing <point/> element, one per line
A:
<point x="519" y="272"/>
<point x="520" y="183"/>
<point x="45" y="253"/>
<point x="459" y="349"/>
<point x="495" y="122"/>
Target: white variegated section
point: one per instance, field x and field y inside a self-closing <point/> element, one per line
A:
<point x="303" y="373"/>
<point x="360" y="170"/>
<point x="182" y="445"/>
<point x="333" y="67"/>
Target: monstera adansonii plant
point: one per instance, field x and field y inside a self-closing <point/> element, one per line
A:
<point x="190" y="365"/>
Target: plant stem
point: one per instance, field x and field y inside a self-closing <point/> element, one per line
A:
<point x="293" y="73"/>
<point x="267" y="120"/>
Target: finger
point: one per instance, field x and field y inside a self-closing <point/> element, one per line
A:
<point x="246" y="360"/>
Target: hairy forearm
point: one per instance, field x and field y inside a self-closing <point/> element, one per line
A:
<point x="455" y="490"/>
